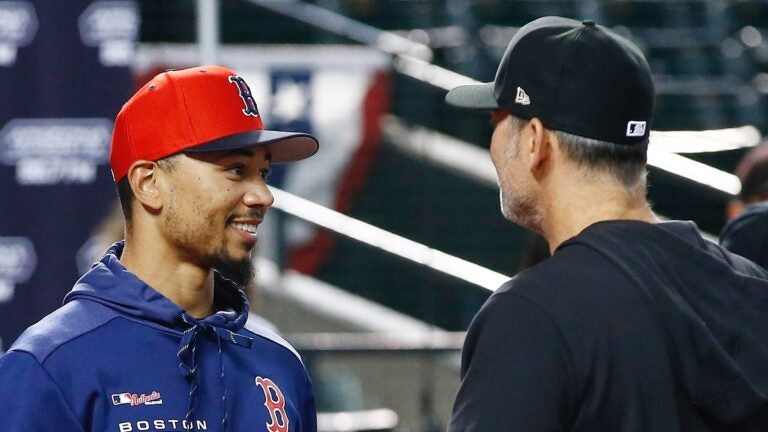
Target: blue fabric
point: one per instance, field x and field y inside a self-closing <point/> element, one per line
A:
<point x="119" y="356"/>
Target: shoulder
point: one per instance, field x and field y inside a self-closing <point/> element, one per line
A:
<point x="264" y="333"/>
<point x="577" y="291"/>
<point x="69" y="322"/>
<point x="512" y="318"/>
<point x="747" y="235"/>
<point x="749" y="219"/>
<point x="565" y="270"/>
<point x="507" y="311"/>
<point x="512" y="332"/>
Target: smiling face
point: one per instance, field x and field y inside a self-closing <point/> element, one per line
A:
<point x="215" y="201"/>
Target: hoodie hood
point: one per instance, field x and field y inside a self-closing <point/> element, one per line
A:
<point x="109" y="283"/>
<point x="709" y="305"/>
<point x="112" y="285"/>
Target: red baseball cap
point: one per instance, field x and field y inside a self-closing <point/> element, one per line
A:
<point x="201" y="109"/>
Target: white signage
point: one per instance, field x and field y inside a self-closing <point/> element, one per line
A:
<point x="55" y="151"/>
<point x="18" y="26"/>
<point x="17" y="263"/>
<point x="113" y="26"/>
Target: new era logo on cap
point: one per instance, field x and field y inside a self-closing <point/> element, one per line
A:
<point x="522" y="98"/>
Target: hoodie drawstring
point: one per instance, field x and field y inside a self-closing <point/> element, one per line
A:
<point x="223" y="389"/>
<point x="187" y="356"/>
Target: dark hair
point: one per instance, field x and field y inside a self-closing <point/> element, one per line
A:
<point x="752" y="171"/>
<point x="625" y="162"/>
<point x="125" y="193"/>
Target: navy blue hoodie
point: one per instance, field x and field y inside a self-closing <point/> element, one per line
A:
<point x="119" y="356"/>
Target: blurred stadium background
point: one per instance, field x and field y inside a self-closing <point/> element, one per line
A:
<point x="378" y="317"/>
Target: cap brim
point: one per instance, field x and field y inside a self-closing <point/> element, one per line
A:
<point x="283" y="146"/>
<point x="475" y="96"/>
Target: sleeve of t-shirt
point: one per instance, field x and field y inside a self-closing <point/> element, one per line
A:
<point x="515" y="374"/>
<point x="29" y="399"/>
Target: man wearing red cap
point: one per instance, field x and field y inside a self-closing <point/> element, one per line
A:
<point x="152" y="337"/>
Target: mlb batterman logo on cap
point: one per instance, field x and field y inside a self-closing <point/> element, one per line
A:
<point x="574" y="76"/>
<point x="201" y="109"/>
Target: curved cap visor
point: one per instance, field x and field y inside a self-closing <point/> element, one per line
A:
<point x="476" y="96"/>
<point x="283" y="146"/>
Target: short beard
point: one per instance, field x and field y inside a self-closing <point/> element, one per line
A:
<point x="241" y="272"/>
<point x="523" y="211"/>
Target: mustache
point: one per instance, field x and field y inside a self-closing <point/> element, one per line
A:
<point x="253" y="213"/>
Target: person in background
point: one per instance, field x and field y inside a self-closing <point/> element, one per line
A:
<point x="632" y="324"/>
<point x="746" y="232"/>
<point x="752" y="171"/>
<point x="152" y="337"/>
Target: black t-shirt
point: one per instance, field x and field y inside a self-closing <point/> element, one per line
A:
<point x="596" y="338"/>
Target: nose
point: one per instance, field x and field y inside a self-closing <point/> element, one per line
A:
<point x="258" y="195"/>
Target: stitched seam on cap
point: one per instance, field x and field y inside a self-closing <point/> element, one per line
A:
<point x="131" y="150"/>
<point x="556" y="91"/>
<point x="189" y="119"/>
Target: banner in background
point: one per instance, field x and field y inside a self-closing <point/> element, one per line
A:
<point x="64" y="73"/>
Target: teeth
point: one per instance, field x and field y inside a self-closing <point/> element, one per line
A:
<point x="245" y="227"/>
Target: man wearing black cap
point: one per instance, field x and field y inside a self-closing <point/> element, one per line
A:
<point x="633" y="324"/>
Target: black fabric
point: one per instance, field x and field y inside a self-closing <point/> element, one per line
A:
<point x="575" y="77"/>
<point x="628" y="327"/>
<point x="283" y="146"/>
<point x="747" y="234"/>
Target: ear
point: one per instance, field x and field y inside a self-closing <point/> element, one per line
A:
<point x="539" y="147"/>
<point x="734" y="208"/>
<point x="144" y="177"/>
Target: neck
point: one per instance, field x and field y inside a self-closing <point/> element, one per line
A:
<point x="568" y="211"/>
<point x="184" y="283"/>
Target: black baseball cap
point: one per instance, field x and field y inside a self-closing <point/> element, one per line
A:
<point x="574" y="76"/>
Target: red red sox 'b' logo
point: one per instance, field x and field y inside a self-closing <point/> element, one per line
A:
<point x="275" y="403"/>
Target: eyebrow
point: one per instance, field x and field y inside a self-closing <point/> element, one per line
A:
<point x="240" y="152"/>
